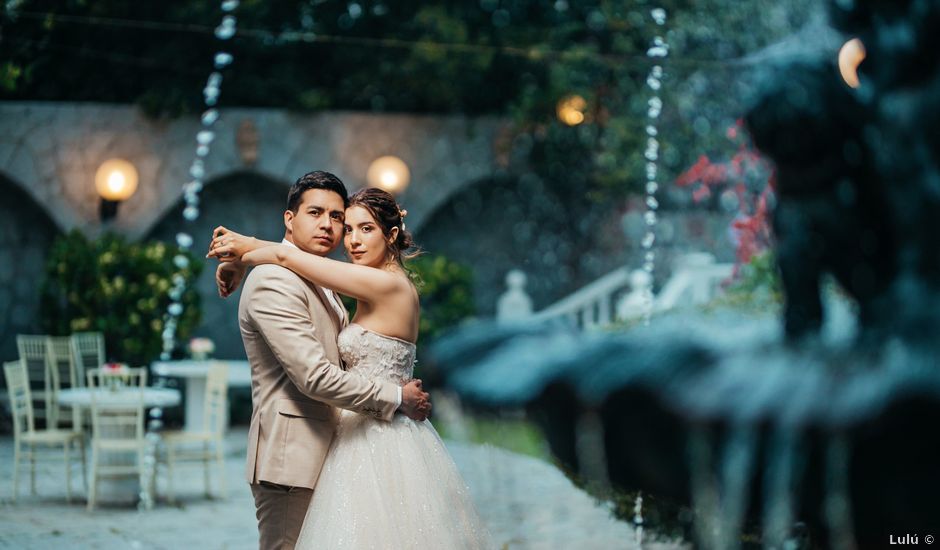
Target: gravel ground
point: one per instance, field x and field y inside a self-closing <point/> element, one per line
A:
<point x="527" y="504"/>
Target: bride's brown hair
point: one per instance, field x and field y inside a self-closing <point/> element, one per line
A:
<point x="387" y="214"/>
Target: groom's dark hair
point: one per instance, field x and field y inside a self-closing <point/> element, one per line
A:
<point x="315" y="180"/>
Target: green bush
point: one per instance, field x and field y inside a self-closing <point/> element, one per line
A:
<point x="446" y="290"/>
<point x="119" y="289"/>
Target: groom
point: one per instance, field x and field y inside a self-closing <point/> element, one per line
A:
<point x="289" y="327"/>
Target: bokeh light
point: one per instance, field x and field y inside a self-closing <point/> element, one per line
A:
<point x="571" y="109"/>
<point x="851" y="56"/>
<point x="389" y="173"/>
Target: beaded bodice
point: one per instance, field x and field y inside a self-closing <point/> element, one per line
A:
<point x="376" y="356"/>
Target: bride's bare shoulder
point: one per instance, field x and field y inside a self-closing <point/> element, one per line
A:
<point x="403" y="283"/>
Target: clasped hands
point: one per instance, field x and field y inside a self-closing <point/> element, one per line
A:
<point x="230" y="248"/>
<point x="415" y="402"/>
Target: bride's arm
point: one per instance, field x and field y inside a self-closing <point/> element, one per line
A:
<point x="361" y="282"/>
<point x="229" y="274"/>
<point x="232" y="244"/>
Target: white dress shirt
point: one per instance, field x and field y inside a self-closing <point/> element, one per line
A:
<point x="335" y="303"/>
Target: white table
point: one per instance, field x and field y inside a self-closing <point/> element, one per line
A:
<point x="121" y="489"/>
<point x="195" y="373"/>
<point x="122" y="398"/>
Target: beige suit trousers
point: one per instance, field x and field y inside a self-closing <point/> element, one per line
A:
<point x="280" y="511"/>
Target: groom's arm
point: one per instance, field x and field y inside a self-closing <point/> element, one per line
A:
<point x="279" y="310"/>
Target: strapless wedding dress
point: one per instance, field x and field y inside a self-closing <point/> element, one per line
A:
<point x="388" y="484"/>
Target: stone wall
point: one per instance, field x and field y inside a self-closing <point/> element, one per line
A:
<point x="26" y="234"/>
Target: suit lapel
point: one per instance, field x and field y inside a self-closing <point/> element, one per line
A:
<point x="331" y="311"/>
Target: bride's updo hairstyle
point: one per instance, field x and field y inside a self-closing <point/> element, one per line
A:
<point x="383" y="207"/>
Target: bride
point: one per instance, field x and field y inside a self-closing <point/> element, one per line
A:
<point x="383" y="485"/>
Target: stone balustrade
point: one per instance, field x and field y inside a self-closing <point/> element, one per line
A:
<point x="620" y="295"/>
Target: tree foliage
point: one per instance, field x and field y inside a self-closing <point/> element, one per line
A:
<point x="516" y="58"/>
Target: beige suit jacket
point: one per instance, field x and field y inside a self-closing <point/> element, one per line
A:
<point x="289" y="331"/>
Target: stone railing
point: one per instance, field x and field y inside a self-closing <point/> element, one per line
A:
<point x="592" y="305"/>
<point x="619" y="295"/>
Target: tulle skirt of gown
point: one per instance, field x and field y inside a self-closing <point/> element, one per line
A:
<point x="390" y="485"/>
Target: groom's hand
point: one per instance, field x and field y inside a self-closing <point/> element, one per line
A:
<point x="415" y="402"/>
<point x="228" y="276"/>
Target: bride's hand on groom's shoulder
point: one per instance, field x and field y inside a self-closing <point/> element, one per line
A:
<point x="229" y="246"/>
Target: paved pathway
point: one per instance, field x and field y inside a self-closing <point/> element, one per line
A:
<point x="527" y="504"/>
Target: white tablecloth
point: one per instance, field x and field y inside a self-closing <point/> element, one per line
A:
<point x="123" y="397"/>
<point x="239" y="373"/>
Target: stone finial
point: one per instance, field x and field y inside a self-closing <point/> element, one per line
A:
<point x="633" y="303"/>
<point x="514" y="304"/>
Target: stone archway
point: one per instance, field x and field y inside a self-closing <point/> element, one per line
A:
<point x="247" y="202"/>
<point x="496" y="225"/>
<point x="56" y="149"/>
<point x="26" y="236"/>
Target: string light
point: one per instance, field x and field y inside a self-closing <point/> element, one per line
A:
<point x="657" y="51"/>
<point x="204" y="138"/>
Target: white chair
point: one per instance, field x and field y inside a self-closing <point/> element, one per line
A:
<point x="62" y="375"/>
<point x="118" y="432"/>
<point x="26" y="438"/>
<point x="33" y="353"/>
<point x="207" y="444"/>
<point x="87" y="352"/>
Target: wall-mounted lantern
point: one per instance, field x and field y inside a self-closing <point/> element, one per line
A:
<point x="115" y="181"/>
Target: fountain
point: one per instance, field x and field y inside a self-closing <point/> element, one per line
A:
<point x="821" y="434"/>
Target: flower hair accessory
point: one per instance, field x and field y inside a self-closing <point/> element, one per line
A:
<point x="402" y="214"/>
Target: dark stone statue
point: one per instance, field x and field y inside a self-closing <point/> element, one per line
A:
<point x="857" y="171"/>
